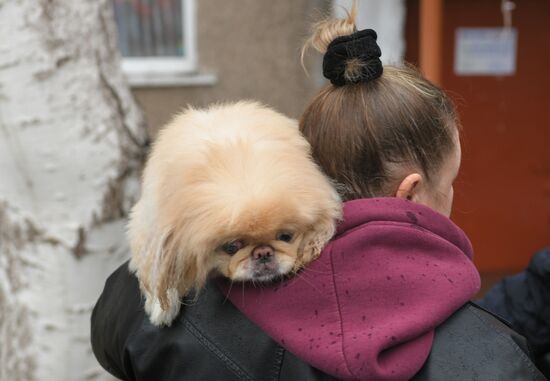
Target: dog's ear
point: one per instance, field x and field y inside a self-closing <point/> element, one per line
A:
<point x="165" y="264"/>
<point x="180" y="270"/>
<point x="153" y="251"/>
<point x="151" y="256"/>
<point x="163" y="268"/>
<point x="314" y="241"/>
<point x="167" y="275"/>
<point x="166" y="272"/>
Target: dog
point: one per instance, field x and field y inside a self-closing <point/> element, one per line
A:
<point x="229" y="190"/>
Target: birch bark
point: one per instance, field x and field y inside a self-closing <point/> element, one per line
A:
<point x="72" y="142"/>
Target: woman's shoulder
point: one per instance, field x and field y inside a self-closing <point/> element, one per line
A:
<point x="211" y="339"/>
<point x="474" y="344"/>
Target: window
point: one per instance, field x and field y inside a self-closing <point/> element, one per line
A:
<point x="156" y="37"/>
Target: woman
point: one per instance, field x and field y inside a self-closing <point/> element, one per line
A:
<point x="387" y="299"/>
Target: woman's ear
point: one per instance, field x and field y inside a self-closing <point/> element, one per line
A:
<point x="410" y="187"/>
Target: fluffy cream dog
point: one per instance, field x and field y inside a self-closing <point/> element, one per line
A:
<point x="228" y="190"/>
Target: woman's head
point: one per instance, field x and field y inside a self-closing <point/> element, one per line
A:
<point x="392" y="135"/>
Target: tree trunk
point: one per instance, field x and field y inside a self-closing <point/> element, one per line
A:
<point x="72" y="143"/>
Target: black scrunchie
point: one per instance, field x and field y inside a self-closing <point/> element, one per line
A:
<point x="360" y="45"/>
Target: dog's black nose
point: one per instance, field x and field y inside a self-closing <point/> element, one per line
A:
<point x="262" y="253"/>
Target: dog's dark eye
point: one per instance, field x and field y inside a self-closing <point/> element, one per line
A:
<point x="232" y="247"/>
<point x="284" y="236"/>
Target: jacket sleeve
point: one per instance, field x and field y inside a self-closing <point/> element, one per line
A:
<point x="473" y="344"/>
<point x="209" y="340"/>
<point x="116" y="316"/>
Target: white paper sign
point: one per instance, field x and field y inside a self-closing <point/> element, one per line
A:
<point x="485" y="51"/>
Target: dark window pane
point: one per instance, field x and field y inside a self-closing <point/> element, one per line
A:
<point x="149" y="28"/>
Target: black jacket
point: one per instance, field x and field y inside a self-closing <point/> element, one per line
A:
<point x="212" y="340"/>
<point x="524" y="301"/>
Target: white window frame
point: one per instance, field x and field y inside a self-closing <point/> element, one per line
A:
<point x="139" y="68"/>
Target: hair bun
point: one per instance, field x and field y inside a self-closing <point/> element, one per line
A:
<point x="353" y="59"/>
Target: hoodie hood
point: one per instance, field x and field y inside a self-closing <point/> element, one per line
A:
<point x="367" y="308"/>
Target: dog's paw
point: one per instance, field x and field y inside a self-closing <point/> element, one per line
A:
<point x="160" y="317"/>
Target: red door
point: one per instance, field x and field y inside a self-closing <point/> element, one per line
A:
<point x="502" y="196"/>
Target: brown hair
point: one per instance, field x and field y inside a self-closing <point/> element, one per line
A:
<point x="366" y="135"/>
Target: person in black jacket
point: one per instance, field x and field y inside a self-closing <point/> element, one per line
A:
<point x="386" y="300"/>
<point x="524" y="301"/>
<point x="213" y="340"/>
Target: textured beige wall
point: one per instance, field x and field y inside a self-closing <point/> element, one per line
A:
<point x="253" y="47"/>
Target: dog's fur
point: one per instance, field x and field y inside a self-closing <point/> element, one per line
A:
<point x="231" y="173"/>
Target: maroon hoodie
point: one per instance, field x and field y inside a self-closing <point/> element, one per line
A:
<point x="367" y="308"/>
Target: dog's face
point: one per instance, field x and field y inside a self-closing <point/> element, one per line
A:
<point x="256" y="258"/>
<point x="253" y="226"/>
<point x="265" y="242"/>
<point x="258" y="261"/>
<point x="231" y="190"/>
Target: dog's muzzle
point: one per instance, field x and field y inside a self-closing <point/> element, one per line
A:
<point x="264" y="263"/>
